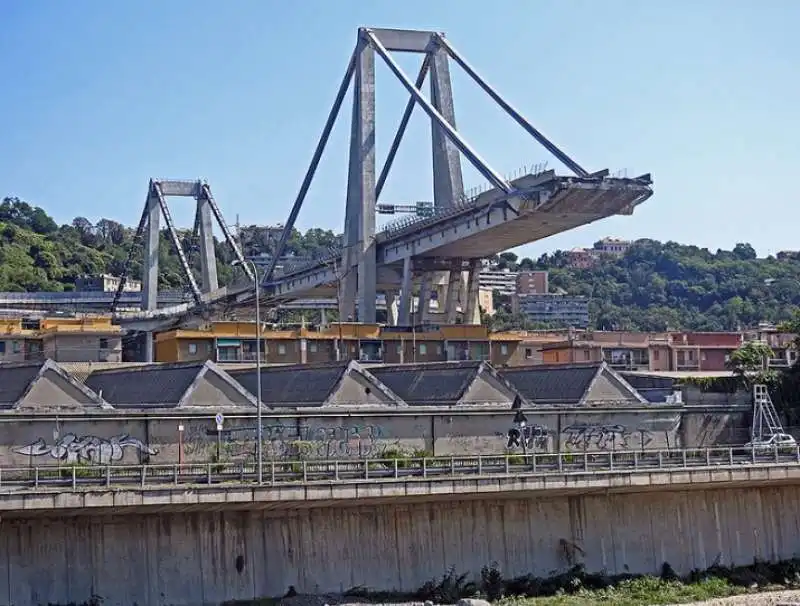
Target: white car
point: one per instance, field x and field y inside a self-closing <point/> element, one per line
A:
<point x="778" y="440"/>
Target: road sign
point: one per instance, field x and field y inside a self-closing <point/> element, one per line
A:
<point x="220" y="419"/>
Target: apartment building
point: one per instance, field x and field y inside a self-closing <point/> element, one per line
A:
<point x="235" y="342"/>
<point x="532" y="282"/>
<point x="675" y="351"/>
<point x="612" y="246"/>
<point x="92" y="339"/>
<point x="553" y="309"/>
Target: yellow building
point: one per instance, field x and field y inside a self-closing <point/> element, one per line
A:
<point x="87" y="339"/>
<point x="235" y="342"/>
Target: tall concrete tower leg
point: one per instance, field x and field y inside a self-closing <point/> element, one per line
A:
<point x="448" y="183"/>
<point x="424" y="305"/>
<point x="208" y="258"/>
<point x="404" y="312"/>
<point x="472" y="314"/>
<point x="361" y="184"/>
<point x="453" y="293"/>
<point x="150" y="269"/>
<point x="323" y="317"/>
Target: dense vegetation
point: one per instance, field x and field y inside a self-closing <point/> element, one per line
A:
<point x="660" y="286"/>
<point x="36" y="254"/>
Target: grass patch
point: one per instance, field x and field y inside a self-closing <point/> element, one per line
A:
<point x="644" y="591"/>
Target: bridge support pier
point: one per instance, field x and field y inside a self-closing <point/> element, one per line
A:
<point x="391" y="316"/>
<point x="472" y="311"/>
<point x="424" y="303"/>
<point x="404" y="312"/>
<point x="454" y="283"/>
<point x="323" y="317"/>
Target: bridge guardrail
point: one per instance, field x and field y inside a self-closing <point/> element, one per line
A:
<point x="430" y="468"/>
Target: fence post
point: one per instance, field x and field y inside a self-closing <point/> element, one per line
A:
<point x="305" y="472"/>
<point x="708" y="457"/>
<point x="730" y="456"/>
<point x="683" y="456"/>
<point x="108" y="475"/>
<point x="74" y="478"/>
<point x="36" y="477"/>
<point x="396" y="469"/>
<point x="208" y="473"/>
<point x="144" y="475"/>
<point x="480" y="465"/>
<point x="336" y="470"/>
<point x="272" y="472"/>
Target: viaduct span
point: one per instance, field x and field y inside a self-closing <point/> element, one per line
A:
<point x="404" y="257"/>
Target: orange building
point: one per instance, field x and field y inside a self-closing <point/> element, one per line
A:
<point x="235" y="342"/>
<point x="85" y="339"/>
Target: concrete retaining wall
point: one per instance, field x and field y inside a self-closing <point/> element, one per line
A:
<point x="154" y="439"/>
<point x="205" y="558"/>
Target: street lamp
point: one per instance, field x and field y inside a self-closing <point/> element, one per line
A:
<point x="259" y="444"/>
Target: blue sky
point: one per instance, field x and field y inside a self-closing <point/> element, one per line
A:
<point x="100" y="96"/>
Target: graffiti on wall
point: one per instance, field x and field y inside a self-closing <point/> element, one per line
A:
<point x="530" y="438"/>
<point x="612" y="436"/>
<point x="293" y="441"/>
<point x="71" y="448"/>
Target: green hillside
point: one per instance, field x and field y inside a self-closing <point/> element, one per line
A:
<point x="658" y="286"/>
<point x="38" y="255"/>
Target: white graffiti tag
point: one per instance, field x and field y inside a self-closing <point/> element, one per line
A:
<point x="86" y="449"/>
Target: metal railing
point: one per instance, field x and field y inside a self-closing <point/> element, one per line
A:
<point x="400" y="469"/>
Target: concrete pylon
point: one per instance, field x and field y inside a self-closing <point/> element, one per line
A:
<point x="150" y="266"/>
<point x="448" y="182"/>
<point x="208" y="257"/>
<point x="404" y="311"/>
<point x="360" y="210"/>
<point x="454" y="283"/>
<point x="472" y="310"/>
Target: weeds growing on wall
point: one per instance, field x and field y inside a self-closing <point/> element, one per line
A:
<point x="576" y="587"/>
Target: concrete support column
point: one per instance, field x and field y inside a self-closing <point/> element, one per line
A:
<point x="424" y="303"/>
<point x="208" y="257"/>
<point x="360" y="210"/>
<point x="150" y="266"/>
<point x="404" y="312"/>
<point x="303" y="351"/>
<point x="323" y="317"/>
<point x="448" y="183"/>
<point x="149" y="353"/>
<point x="453" y="292"/>
<point x="391" y="315"/>
<point x="472" y="313"/>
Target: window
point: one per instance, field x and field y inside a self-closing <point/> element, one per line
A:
<point x="15" y="348"/>
<point x="312" y="347"/>
<point x="399" y="348"/>
<point x="103" y="343"/>
<point x="423" y="349"/>
<point x="655" y="354"/>
<point x="585" y="354"/>
<point x="281" y="349"/>
<point x="2" y="347"/>
<point x="503" y="349"/>
<point x="192" y="349"/>
<point x="528" y="353"/>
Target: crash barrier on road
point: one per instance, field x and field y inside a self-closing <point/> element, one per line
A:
<point x="397" y="469"/>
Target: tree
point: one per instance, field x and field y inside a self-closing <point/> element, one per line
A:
<point x="750" y="358"/>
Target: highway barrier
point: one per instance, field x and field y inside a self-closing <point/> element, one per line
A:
<point x="287" y="472"/>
